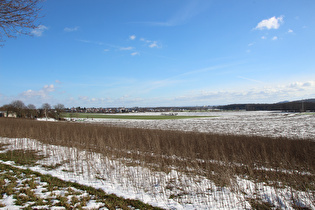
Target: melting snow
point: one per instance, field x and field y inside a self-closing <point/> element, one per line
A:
<point x="262" y="123"/>
<point x="174" y="190"/>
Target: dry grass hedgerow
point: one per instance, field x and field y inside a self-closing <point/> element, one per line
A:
<point x="219" y="157"/>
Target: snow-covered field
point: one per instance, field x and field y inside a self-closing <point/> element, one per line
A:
<point x="262" y="123"/>
<point x="177" y="190"/>
<point x="173" y="190"/>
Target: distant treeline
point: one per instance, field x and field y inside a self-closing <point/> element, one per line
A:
<point x="294" y="106"/>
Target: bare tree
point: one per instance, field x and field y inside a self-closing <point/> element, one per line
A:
<point x="18" y="107"/>
<point x="46" y="107"/>
<point x="58" y="110"/>
<point x="31" y="111"/>
<point x="31" y="106"/>
<point x="18" y="17"/>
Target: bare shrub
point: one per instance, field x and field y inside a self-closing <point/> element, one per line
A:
<point x="218" y="157"/>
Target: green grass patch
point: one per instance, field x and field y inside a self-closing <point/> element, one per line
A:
<point x="25" y="195"/>
<point x="22" y="157"/>
<point x="129" y="117"/>
<point x="308" y="113"/>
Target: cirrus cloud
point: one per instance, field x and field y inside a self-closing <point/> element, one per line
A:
<point x="67" y="29"/>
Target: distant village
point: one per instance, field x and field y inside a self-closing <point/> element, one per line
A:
<point x="20" y="110"/>
<point x="136" y="109"/>
<point x="17" y="109"/>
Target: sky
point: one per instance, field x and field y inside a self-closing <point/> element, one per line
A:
<point x="148" y="53"/>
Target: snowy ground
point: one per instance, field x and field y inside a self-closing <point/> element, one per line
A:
<point x="176" y="190"/>
<point x="173" y="190"/>
<point x="262" y="123"/>
<point x="28" y="190"/>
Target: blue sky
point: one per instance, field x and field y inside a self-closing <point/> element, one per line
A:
<point x="114" y="53"/>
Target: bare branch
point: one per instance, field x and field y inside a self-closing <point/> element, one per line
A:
<point x="18" y="17"/>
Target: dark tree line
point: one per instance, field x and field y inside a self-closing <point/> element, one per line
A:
<point x="20" y="110"/>
<point x="295" y="106"/>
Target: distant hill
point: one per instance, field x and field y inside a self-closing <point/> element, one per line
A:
<point x="312" y="100"/>
<point x="293" y="106"/>
<point x="281" y="102"/>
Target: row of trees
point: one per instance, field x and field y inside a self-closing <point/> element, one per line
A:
<point x="294" y="106"/>
<point x="30" y="111"/>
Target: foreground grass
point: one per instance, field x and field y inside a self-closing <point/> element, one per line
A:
<point x="32" y="190"/>
<point x="129" y="117"/>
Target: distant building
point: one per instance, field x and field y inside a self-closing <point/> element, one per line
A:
<point x="7" y="114"/>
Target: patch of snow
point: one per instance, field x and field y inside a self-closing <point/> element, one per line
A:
<point x="8" y="201"/>
<point x="259" y="123"/>
<point x="92" y="204"/>
<point x="47" y="119"/>
<point x="173" y="190"/>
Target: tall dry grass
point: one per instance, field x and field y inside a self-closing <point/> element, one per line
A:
<point x="219" y="157"/>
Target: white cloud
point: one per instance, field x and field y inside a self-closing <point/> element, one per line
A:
<point x="153" y="44"/>
<point x="37" y="97"/>
<point x="114" y="102"/>
<point x="263" y="37"/>
<point x="49" y="88"/>
<point x="265" y="94"/>
<point x="271" y="23"/>
<point x="261" y="93"/>
<point x="43" y="93"/>
<point x="302" y="85"/>
<point x="134" y="53"/>
<point x="274" y="38"/>
<point x="145" y="40"/>
<point x="126" y="48"/>
<point x="84" y="98"/>
<point x="67" y="29"/>
<point x="308" y="84"/>
<point x="132" y="37"/>
<point x="39" y="30"/>
<point x="290" y="31"/>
